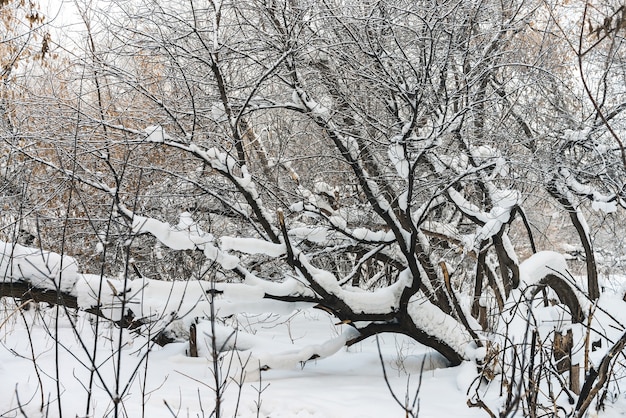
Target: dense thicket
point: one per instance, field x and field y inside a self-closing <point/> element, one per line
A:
<point x="392" y="162"/>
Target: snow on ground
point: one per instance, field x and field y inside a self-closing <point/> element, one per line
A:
<point x="39" y="345"/>
<point x="347" y="384"/>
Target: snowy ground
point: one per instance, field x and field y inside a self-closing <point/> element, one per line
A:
<point x="347" y="384"/>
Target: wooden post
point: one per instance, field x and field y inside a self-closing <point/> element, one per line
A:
<point x="562" y="352"/>
<point x="574" y="379"/>
<point x="193" y="342"/>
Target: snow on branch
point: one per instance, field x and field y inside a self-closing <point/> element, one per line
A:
<point x="41" y="269"/>
<point x="183" y="299"/>
<point x="266" y="353"/>
<point x="397" y="156"/>
<point x="156" y="133"/>
<point x="599" y="201"/>
<point x="380" y="301"/>
<point x="252" y="246"/>
<point x="177" y="239"/>
<point x="570" y="203"/>
<point x="47" y="270"/>
<point x="337" y="222"/>
<point x="468" y="208"/>
<point x="349" y="148"/>
<point x="225" y="164"/>
<point x="544" y="269"/>
<point x="433" y="321"/>
<point x="500" y="214"/>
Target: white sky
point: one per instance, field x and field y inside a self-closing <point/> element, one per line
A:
<point x="60" y="12"/>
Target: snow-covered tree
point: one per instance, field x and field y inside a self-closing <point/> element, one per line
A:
<point x="381" y="160"/>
